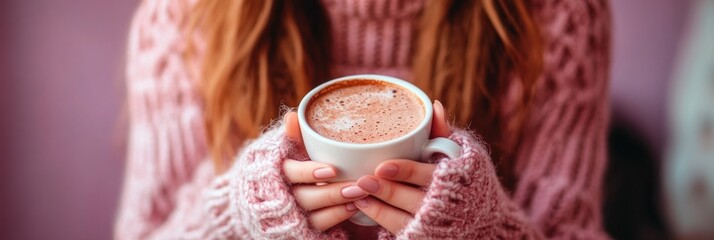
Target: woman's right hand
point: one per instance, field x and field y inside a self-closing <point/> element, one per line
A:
<point x="326" y="204"/>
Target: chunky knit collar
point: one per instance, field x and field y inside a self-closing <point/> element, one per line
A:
<point x="372" y="36"/>
<point x="374" y="9"/>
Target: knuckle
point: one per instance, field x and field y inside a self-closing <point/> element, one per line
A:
<point x="305" y="174"/>
<point x="299" y="193"/>
<point x="332" y="195"/>
<point x="405" y="221"/>
<point x="289" y="170"/>
<point x="389" y="192"/>
<point x="409" y="171"/>
<point x="315" y="223"/>
<point x="337" y="214"/>
<point x="413" y="206"/>
<point x="379" y="212"/>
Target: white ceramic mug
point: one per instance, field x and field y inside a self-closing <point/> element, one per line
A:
<point x="354" y="160"/>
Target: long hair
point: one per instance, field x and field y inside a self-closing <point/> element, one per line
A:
<point x="261" y="54"/>
<point x="464" y="55"/>
<point x="258" y="55"/>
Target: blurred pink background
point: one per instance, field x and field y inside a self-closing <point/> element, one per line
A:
<point x="61" y="111"/>
<point x="62" y="129"/>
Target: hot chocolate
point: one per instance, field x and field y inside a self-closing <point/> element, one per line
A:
<point x="364" y="111"/>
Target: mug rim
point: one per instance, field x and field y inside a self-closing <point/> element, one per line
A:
<point x="428" y="110"/>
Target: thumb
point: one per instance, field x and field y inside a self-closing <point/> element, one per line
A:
<point x="439" y="125"/>
<point x="292" y="127"/>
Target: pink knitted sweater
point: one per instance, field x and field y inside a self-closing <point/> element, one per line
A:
<point x="171" y="191"/>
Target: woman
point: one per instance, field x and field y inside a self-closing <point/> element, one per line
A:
<point x="205" y="77"/>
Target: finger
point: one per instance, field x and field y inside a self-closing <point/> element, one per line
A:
<point x="307" y="171"/>
<point x="311" y="197"/>
<point x="439" y="126"/>
<point x="399" y="195"/>
<point x="292" y="127"/>
<point x="391" y="218"/>
<point x="325" y="218"/>
<point x="404" y="170"/>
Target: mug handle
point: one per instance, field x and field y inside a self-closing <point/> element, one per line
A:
<point x="441" y="145"/>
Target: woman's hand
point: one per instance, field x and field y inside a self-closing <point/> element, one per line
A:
<point x="398" y="184"/>
<point x="399" y="201"/>
<point x="327" y="205"/>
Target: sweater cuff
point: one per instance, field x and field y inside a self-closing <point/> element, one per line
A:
<point x="465" y="199"/>
<point x="253" y="199"/>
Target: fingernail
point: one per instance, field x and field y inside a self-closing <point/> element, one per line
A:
<point x="352" y="192"/>
<point x="368" y="184"/>
<point x="438" y="105"/>
<point x="351" y="207"/>
<point x="361" y="203"/>
<point x="325" y="172"/>
<point x="388" y="170"/>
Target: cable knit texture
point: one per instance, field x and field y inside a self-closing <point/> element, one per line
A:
<point x="171" y="191"/>
<point x="372" y="36"/>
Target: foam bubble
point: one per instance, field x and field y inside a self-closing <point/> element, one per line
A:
<point x="343" y="123"/>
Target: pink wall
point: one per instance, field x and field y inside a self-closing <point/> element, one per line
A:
<point x="60" y="99"/>
<point x="646" y="38"/>
<point x="62" y="156"/>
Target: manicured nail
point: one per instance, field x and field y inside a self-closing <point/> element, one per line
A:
<point x="352" y="192"/>
<point x="368" y="184"/>
<point x="322" y="173"/>
<point x="361" y="203"/>
<point x="388" y="170"/>
<point x="351" y="207"/>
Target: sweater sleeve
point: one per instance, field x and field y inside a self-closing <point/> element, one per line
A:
<point x="165" y="136"/>
<point x="251" y="200"/>
<point x="466" y="201"/>
<point x="561" y="159"/>
<point x="561" y="166"/>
